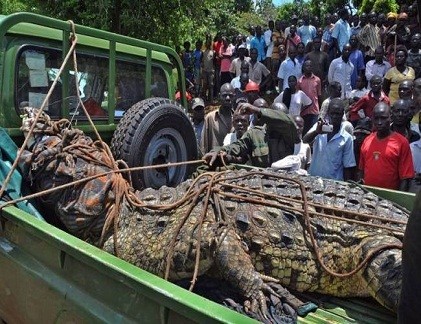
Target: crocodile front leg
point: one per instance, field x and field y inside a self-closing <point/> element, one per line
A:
<point x="234" y="264"/>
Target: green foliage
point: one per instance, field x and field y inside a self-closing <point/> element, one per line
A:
<point x="247" y="19"/>
<point x="170" y="22"/>
<point x="286" y="11"/>
<point x="379" y="6"/>
<point x="11" y="6"/>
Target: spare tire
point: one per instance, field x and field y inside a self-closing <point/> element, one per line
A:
<point x="155" y="131"/>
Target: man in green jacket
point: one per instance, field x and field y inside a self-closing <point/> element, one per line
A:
<point x="273" y="137"/>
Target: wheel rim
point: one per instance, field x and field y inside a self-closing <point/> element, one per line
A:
<point x="166" y="146"/>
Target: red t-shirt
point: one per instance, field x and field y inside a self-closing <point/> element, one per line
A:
<point x="366" y="103"/>
<point x="387" y="161"/>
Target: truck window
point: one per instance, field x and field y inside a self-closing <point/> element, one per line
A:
<point x="38" y="67"/>
<point x="92" y="84"/>
<point x="35" y="73"/>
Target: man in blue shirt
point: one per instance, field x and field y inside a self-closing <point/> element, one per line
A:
<point x="342" y="31"/>
<point x="258" y="42"/>
<point x="306" y="32"/>
<point x="333" y="147"/>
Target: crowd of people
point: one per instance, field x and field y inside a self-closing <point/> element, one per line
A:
<point x="340" y="100"/>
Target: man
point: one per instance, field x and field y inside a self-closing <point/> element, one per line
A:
<point x="311" y="85"/>
<point x="401" y="117"/>
<point x="340" y="70"/>
<point x="306" y="32"/>
<point x="198" y="117"/>
<point x="334" y="90"/>
<point x="327" y="40"/>
<point x="319" y="60"/>
<point x="405" y="89"/>
<point x="342" y="31"/>
<point x="258" y="70"/>
<point x="258" y="42"/>
<point x="365" y="106"/>
<point x="356" y="57"/>
<point x="369" y="37"/>
<point x="217" y="62"/>
<point x="287" y="68"/>
<point x="197" y="66"/>
<point x="244" y="69"/>
<point x="378" y="66"/>
<point x="278" y="39"/>
<point x="294" y="21"/>
<point x="333" y="149"/>
<point x="240" y="88"/>
<point x="267" y="35"/>
<point x="208" y="70"/>
<point x="218" y="123"/>
<point x="292" y="38"/>
<point x="237" y="63"/>
<point x="414" y="55"/>
<point x="240" y="123"/>
<point x="385" y="157"/>
<point x="274" y="138"/>
<point x="400" y="32"/>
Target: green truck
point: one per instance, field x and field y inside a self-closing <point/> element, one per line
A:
<point x="48" y="275"/>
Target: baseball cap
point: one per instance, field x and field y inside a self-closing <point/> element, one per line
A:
<point x="197" y="102"/>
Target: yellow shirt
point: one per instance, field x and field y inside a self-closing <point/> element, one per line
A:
<point x="395" y="77"/>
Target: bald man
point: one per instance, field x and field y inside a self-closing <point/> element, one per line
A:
<point x="385" y="156"/>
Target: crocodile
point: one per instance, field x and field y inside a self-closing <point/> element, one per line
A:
<point x="254" y="229"/>
<point x="251" y="228"/>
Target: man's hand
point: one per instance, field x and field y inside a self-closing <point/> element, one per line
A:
<point x="211" y="157"/>
<point x="248" y="109"/>
<point x="219" y="158"/>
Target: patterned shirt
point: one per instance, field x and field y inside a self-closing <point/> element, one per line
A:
<point x="370" y="36"/>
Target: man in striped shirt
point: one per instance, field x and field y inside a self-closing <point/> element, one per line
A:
<point x="369" y="37"/>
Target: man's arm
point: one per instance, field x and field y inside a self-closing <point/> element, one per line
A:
<point x="312" y="133"/>
<point x="360" y="176"/>
<point x="349" y="173"/>
<point x="369" y="71"/>
<point x="331" y="72"/>
<point x="268" y="77"/>
<point x="404" y="184"/>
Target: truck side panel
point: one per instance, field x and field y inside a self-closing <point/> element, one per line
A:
<point x="50" y="276"/>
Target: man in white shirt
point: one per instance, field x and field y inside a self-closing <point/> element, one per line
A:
<point x="340" y="70"/>
<point x="235" y="68"/>
<point x="378" y="66"/>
